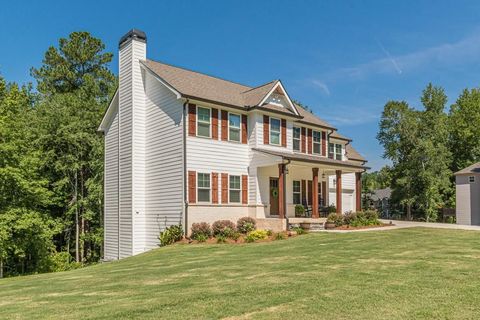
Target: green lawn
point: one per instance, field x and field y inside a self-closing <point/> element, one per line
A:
<point x="397" y="274"/>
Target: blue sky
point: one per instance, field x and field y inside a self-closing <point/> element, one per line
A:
<point x="343" y="59"/>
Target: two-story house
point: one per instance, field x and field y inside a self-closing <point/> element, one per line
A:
<point x="185" y="147"/>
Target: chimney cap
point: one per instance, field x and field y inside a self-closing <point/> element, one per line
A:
<point x="133" y="34"/>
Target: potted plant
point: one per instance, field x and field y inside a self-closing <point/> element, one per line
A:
<point x="299" y="211"/>
<point x="333" y="220"/>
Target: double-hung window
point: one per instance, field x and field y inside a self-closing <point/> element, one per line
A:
<point x="274" y="131"/>
<point x="234" y="127"/>
<point x="296" y="139"/>
<point x="203" y="122"/>
<point x="203" y="187"/>
<point x="335" y="151"/>
<point x="317" y="142"/>
<point x="296" y="192"/>
<point x="234" y="190"/>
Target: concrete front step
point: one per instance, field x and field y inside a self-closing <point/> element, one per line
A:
<point x="313" y="226"/>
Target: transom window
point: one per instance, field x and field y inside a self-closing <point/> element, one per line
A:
<point x="234" y="190"/>
<point x="296" y="139"/>
<point x="234" y="127"/>
<point x="317" y="141"/>
<point x="274" y="131"/>
<point x="335" y="151"/>
<point x="296" y="192"/>
<point x="203" y="122"/>
<point x="203" y="187"/>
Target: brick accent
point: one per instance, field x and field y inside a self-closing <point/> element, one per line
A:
<point x="284" y="133"/>
<point x="192" y="119"/>
<point x="303" y="141"/>
<point x="266" y="129"/>
<point x="214" y="187"/>
<point x="214" y="124"/>
<point x="192" y="187"/>
<point x="224" y="187"/>
<point x="224" y="125"/>
<point x="244" y="129"/>
<point x="309" y="141"/>
<point x="244" y="189"/>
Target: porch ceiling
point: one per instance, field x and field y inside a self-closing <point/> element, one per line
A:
<point x="312" y="159"/>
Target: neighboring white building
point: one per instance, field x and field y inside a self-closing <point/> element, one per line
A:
<point x="468" y="195"/>
<point x="185" y="147"/>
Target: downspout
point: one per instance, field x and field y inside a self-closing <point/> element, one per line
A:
<point x="185" y="202"/>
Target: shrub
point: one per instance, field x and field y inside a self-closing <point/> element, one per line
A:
<point x="62" y="261"/>
<point x="269" y="232"/>
<point x="350" y="217"/>
<point x="299" y="210"/>
<point x="201" y="237"/>
<point x="249" y="239"/>
<point x="299" y="230"/>
<point x="235" y="236"/>
<point x="258" y="234"/>
<point x="331" y="209"/>
<point x="221" y="239"/>
<point x="362" y="218"/>
<point x="335" y="218"/>
<point x="223" y="227"/>
<point x="201" y="229"/>
<point x="279" y="236"/>
<point x="246" y="224"/>
<point x="170" y="235"/>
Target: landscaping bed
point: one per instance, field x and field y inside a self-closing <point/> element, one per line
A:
<point x="354" y="220"/>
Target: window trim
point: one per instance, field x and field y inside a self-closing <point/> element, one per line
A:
<point x="299" y="138"/>
<point x="319" y="143"/>
<point x="294" y="192"/>
<point x="335" y="150"/>
<point x="239" y="127"/>
<point x="239" y="189"/>
<point x="279" y="131"/>
<point x="203" y="188"/>
<point x="209" y="123"/>
<point x="471" y="179"/>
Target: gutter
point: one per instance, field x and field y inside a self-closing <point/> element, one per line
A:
<point x="184" y="155"/>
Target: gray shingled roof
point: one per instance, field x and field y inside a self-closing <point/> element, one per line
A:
<point x="381" y="194"/>
<point x="352" y="154"/>
<point x="474" y="168"/>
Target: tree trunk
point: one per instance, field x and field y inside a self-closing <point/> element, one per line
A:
<point x="409" y="212"/>
<point x="1" y="268"/>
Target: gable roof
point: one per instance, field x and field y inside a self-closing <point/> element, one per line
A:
<point x="339" y="136"/>
<point x="254" y="96"/>
<point x="310" y="118"/>
<point x="474" y="168"/>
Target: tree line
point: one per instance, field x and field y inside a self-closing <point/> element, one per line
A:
<point x="425" y="147"/>
<point x="51" y="159"/>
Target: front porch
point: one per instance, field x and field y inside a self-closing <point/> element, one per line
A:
<point x="286" y="183"/>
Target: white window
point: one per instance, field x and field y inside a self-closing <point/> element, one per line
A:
<point x="234" y="190"/>
<point x="296" y="192"/>
<point x="296" y="139"/>
<point x="203" y="187"/>
<point x="335" y="151"/>
<point x="471" y="179"/>
<point x="234" y="127"/>
<point x="275" y="131"/>
<point x="317" y="142"/>
<point x="203" y="122"/>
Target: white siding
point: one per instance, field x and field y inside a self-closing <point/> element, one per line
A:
<point x="258" y="118"/>
<point x="348" y="192"/>
<point x="111" y="191"/>
<point x="164" y="160"/>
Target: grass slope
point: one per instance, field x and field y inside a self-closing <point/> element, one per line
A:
<point x="398" y="274"/>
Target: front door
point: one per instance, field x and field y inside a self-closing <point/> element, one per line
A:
<point x="274" y="196"/>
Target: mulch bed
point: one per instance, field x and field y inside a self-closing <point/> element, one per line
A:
<point x="240" y="240"/>
<point x="347" y="227"/>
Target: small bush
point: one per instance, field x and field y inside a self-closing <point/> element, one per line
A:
<point x="221" y="239"/>
<point x="201" y="237"/>
<point x="258" y="234"/>
<point x="201" y="229"/>
<point x="246" y="224"/>
<point x="279" y="236"/>
<point x="235" y="236"/>
<point x="350" y="217"/>
<point x="331" y="209"/>
<point x="62" y="261"/>
<point x="223" y="227"/>
<point x="269" y="232"/>
<point x="335" y="218"/>
<point x="170" y="235"/>
<point x="299" y="230"/>
<point x="249" y="239"/>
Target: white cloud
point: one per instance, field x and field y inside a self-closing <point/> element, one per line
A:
<point x="322" y="86"/>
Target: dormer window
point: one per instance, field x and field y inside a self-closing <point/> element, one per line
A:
<point x="275" y="131"/>
<point x="335" y="151"/>
<point x="203" y="122"/>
